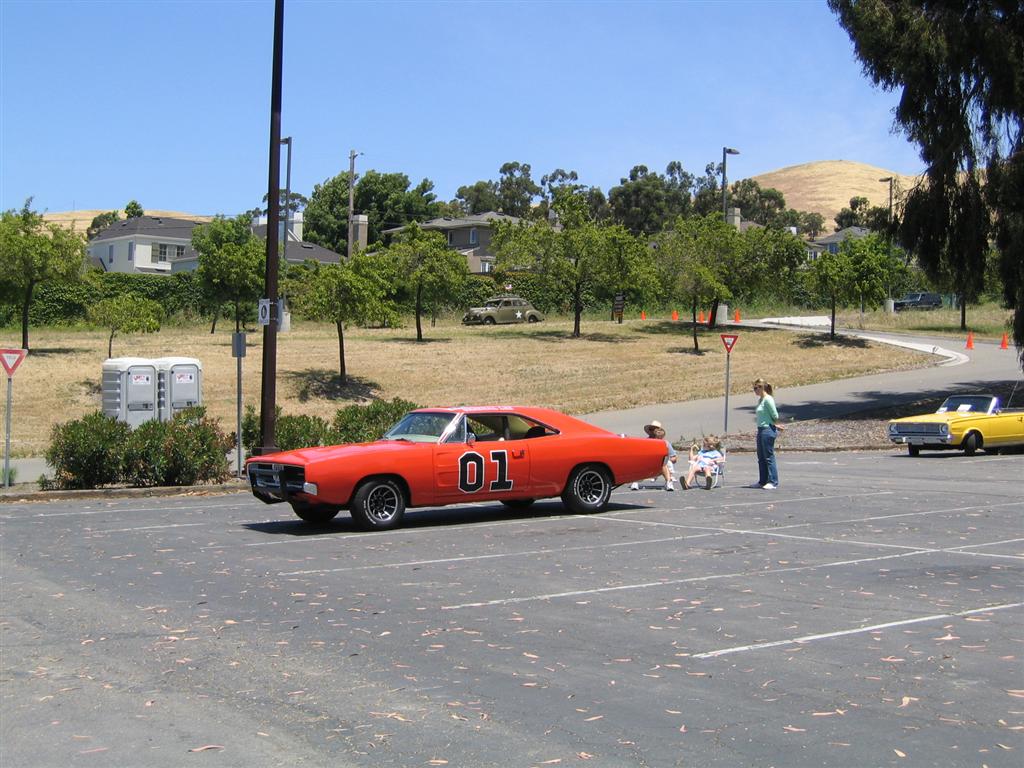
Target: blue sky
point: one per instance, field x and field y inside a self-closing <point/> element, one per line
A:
<point x="169" y="102"/>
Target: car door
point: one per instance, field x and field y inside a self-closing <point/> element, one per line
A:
<point x="506" y="312"/>
<point x="481" y="470"/>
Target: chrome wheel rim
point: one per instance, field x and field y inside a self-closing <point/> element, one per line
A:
<point x="382" y="504"/>
<point x="590" y="487"/>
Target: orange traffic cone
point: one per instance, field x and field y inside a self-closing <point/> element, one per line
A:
<point x="970" y="340"/>
<point x="700" y="316"/>
<point x="1004" y="344"/>
<point x="675" y="315"/>
<point x="736" y="316"/>
<point x="643" y="315"/>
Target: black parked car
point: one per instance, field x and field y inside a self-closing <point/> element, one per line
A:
<point x="918" y="301"/>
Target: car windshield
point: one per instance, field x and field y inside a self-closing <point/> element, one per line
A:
<point x="966" y="403"/>
<point x="421" y="427"/>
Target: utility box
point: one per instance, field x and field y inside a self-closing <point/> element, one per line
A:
<point x="179" y="385"/>
<point x="130" y="389"/>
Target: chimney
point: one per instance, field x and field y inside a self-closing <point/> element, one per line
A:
<point x="733" y="218"/>
<point x="360" y="224"/>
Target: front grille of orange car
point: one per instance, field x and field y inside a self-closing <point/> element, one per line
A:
<point x="280" y="480"/>
<point x="918" y="430"/>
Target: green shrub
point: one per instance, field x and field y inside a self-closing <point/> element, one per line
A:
<point x="365" y="423"/>
<point x="144" y="462"/>
<point x="87" y="453"/>
<point x="293" y="432"/>
<point x="194" y="450"/>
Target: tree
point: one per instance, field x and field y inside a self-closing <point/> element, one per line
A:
<point x="126" y="313"/>
<point x="32" y="253"/>
<point x="694" y="257"/>
<point x="133" y="210"/>
<point x="646" y="202"/>
<point x="480" y="197"/>
<point x="830" y="278"/>
<point x="516" y="189"/>
<point x="231" y="265"/>
<point x="385" y="198"/>
<point x="767" y="207"/>
<point x="101" y="222"/>
<point x="811" y="224"/>
<point x="293" y="202"/>
<point x="959" y="68"/>
<point x="354" y="291"/>
<point x="853" y="216"/>
<point x="769" y="266"/>
<point x="869" y="269"/>
<point x="432" y="272"/>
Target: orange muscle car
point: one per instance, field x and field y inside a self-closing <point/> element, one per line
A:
<point x="438" y="456"/>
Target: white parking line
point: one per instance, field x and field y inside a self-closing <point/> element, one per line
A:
<point x="715" y="577"/>
<point x="857" y="631"/>
<point x="525" y="553"/>
<point x="673" y="582"/>
<point x="93" y="531"/>
<point x="121" y="510"/>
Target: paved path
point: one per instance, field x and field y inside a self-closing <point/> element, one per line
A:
<point x="978" y="369"/>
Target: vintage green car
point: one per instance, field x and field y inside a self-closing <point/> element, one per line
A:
<point x="503" y="309"/>
<point x="963" y="422"/>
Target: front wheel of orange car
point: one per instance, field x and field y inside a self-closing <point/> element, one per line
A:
<point x="378" y="504"/>
<point x="588" y="489"/>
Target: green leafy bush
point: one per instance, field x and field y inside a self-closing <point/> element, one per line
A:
<point x="87" y="453"/>
<point x="143" y="461"/>
<point x="195" y="449"/>
<point x="293" y="432"/>
<point x="365" y="423"/>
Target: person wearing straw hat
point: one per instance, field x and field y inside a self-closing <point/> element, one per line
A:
<point x="656" y="431"/>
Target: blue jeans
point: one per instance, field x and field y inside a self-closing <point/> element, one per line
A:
<point x="767" y="472"/>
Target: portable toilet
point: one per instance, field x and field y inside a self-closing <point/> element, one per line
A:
<point x="180" y="385"/>
<point x="129" y="389"/>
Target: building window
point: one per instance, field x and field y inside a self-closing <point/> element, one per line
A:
<point x="160" y="249"/>
<point x="486" y="266"/>
<point x="472" y="236"/>
<point x="179" y="251"/>
<point x="451" y="237"/>
<point x="110" y="254"/>
<point x="131" y="250"/>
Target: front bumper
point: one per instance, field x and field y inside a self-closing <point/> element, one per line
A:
<point x="468" y="319"/>
<point x="274" y="483"/>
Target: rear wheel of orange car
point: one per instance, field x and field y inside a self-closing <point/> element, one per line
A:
<point x="588" y="489"/>
<point x="378" y="504"/>
<point x="315" y="513"/>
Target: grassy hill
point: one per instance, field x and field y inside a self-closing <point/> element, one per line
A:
<point x="826" y="186"/>
<point x="80" y="220"/>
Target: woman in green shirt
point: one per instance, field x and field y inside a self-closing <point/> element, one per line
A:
<point x="767" y="430"/>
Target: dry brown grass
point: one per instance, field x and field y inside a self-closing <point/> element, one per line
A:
<point x="612" y="366"/>
<point x="826" y="186"/>
<point x="80" y="220"/>
<point x="986" y="321"/>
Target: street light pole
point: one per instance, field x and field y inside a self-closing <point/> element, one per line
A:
<point x="725" y="152"/>
<point x="351" y="197"/>
<point x="287" y="198"/>
<point x="889" y="179"/>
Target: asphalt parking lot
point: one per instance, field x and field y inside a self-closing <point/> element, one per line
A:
<point x="869" y="612"/>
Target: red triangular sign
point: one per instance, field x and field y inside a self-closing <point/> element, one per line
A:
<point x="10" y="359"/>
<point x="729" y="340"/>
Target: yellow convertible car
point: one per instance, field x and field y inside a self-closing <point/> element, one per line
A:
<point x="963" y="422"/>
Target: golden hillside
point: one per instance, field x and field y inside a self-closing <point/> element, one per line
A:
<point x="826" y="186"/>
<point x="79" y="221"/>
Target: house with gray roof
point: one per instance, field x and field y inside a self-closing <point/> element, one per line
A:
<point x="161" y="246"/>
<point x="832" y="242"/>
<point x="470" y="235"/>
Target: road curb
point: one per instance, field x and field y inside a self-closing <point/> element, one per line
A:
<point x="17" y="495"/>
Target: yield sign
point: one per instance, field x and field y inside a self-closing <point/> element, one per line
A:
<point x="729" y="340"/>
<point x="10" y="359"/>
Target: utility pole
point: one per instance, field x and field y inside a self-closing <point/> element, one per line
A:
<point x="268" y="396"/>
<point x="351" y="197"/>
<point x="726" y="151"/>
<point x="287" y="197"/>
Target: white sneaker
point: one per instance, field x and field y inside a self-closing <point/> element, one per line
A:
<point x="634" y="486"/>
<point x="768" y="487"/>
<point x="669" y="487"/>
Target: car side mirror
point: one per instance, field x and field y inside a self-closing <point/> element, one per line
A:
<point x="470" y="438"/>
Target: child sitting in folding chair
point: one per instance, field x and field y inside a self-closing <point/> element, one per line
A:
<point x="708" y="461"/>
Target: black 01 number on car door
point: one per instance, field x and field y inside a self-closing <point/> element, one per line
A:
<point x="482" y="470"/>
